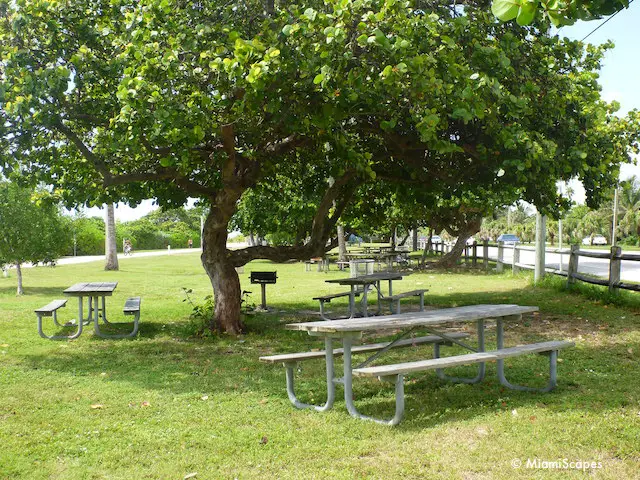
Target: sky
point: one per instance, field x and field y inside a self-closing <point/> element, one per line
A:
<point x="620" y="73"/>
<point x="620" y="80"/>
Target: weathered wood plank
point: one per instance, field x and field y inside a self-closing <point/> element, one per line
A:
<point x="368" y="279"/>
<point x="412" y="293"/>
<point x="442" y="316"/>
<point x="132" y="305"/>
<point x="329" y="297"/>
<point x="372" y="347"/>
<point x="456" y="360"/>
<point x="532" y="348"/>
<point x="51" y="307"/>
<point x="86" y="289"/>
<point x="422" y="365"/>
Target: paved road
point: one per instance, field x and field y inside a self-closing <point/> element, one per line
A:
<point x="593" y="266"/>
<point x="121" y="257"/>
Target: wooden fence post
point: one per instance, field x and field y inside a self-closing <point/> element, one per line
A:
<point x="500" y="264"/>
<point x="573" y="264"/>
<point x="516" y="259"/>
<point x="615" y="264"/>
<point x="474" y="258"/>
<point x="485" y="253"/>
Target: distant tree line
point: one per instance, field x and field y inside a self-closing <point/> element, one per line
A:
<point x="156" y="230"/>
<point x="578" y="223"/>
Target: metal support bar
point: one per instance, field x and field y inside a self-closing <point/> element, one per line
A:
<point x="553" y="359"/>
<point x="263" y="288"/>
<point x="481" y="366"/>
<point x="331" y="381"/>
<point x="386" y="348"/>
<point x="58" y="337"/>
<point x="348" y="391"/>
<point x="451" y="340"/>
<point x="96" y="325"/>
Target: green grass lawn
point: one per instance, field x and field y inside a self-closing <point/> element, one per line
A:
<point x="166" y="405"/>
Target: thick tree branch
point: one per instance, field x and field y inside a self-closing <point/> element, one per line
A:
<point x="337" y="198"/>
<point x="97" y="162"/>
<point x="188" y="185"/>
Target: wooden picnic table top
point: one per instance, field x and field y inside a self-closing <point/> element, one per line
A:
<point x="368" y="279"/>
<point x="442" y="316"/>
<point x="91" y="288"/>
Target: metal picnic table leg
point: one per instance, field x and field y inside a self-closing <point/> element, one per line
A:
<point x="481" y="366"/>
<point x="104" y="310"/>
<point x="553" y="359"/>
<point x="364" y="300"/>
<point x="348" y="389"/>
<point x="331" y="381"/>
<point x="352" y="302"/>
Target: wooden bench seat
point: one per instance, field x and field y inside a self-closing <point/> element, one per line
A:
<point x="51" y="310"/>
<point x="131" y="306"/>
<point x="323" y="264"/>
<point x="456" y="360"/>
<point x="327" y="299"/>
<point x="395" y="373"/>
<point x="399" y="296"/>
<point x="302" y="356"/>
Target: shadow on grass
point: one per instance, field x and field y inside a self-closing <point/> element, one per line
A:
<point x="53" y="292"/>
<point x="591" y="378"/>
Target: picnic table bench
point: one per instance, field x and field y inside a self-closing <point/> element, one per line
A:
<point x="323" y="264"/>
<point x="399" y="296"/>
<point x="351" y="330"/>
<point x="94" y="291"/>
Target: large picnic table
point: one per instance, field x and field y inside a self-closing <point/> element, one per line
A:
<point x="366" y="281"/>
<point x="352" y="330"/>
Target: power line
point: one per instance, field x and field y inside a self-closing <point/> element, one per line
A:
<point x="603" y="23"/>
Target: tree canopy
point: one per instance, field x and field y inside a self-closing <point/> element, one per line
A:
<point x="559" y="12"/>
<point x="31" y="228"/>
<point x="123" y="100"/>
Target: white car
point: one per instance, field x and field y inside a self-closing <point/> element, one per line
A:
<point x="597" y="240"/>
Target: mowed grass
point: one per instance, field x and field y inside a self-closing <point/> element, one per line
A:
<point x="165" y="405"/>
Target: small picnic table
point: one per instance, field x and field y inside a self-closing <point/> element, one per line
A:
<point x="365" y="281"/>
<point x="352" y="330"/>
<point x="94" y="291"/>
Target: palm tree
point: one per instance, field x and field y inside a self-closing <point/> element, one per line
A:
<point x="111" y="260"/>
<point x="629" y="206"/>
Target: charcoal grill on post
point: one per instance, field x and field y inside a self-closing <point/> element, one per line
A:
<point x="263" y="278"/>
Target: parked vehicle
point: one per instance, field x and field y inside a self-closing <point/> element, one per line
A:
<point x="436" y="239"/>
<point x="596" y="240"/>
<point x="509" y="239"/>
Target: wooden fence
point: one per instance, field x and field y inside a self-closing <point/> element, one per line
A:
<point x="614" y="256"/>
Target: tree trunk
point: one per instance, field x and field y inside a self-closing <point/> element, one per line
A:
<point x="111" y="254"/>
<point x="427" y="248"/>
<point x="451" y="258"/>
<point x="404" y="240"/>
<point x="222" y="274"/>
<point x="342" y="244"/>
<point x="414" y="245"/>
<point x="20" y="291"/>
